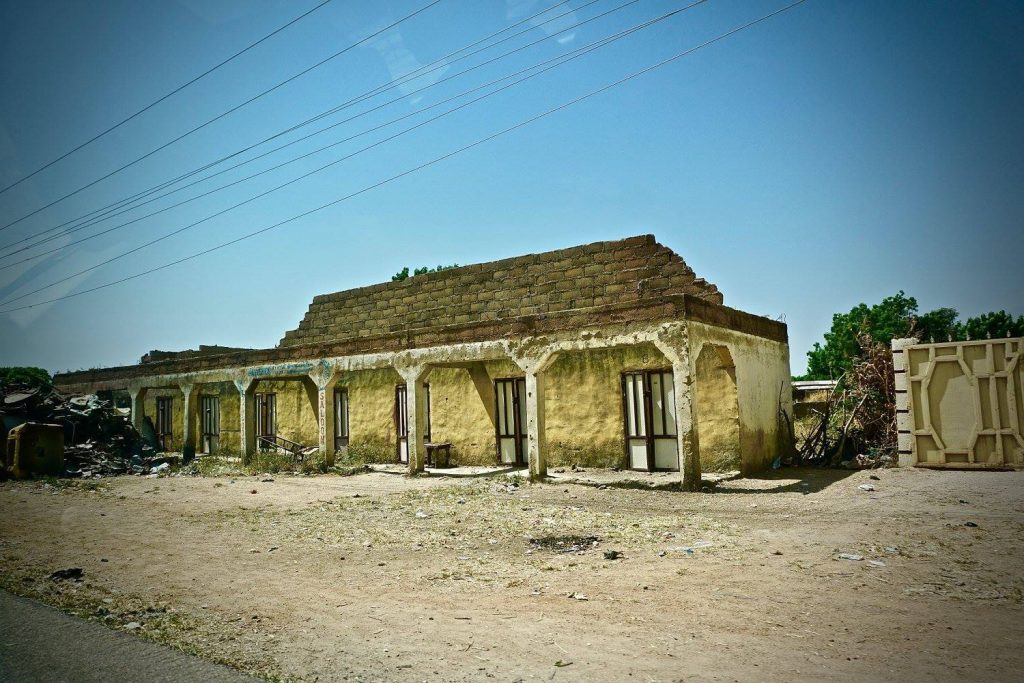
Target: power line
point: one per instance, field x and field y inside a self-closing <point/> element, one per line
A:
<point x="427" y="164"/>
<point x="164" y="97"/>
<point x="560" y="59"/>
<point x="117" y="210"/>
<point x="226" y="113"/>
<point x="390" y="85"/>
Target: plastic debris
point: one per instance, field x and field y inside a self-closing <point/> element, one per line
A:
<point x="851" y="557"/>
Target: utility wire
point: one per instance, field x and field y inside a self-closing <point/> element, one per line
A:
<point x="118" y="211"/>
<point x="226" y="113"/>
<point x="427" y="164"/>
<point x="398" y="81"/>
<point x="161" y="99"/>
<point x="560" y="60"/>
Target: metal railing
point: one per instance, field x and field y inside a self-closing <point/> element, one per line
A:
<point x="275" y="442"/>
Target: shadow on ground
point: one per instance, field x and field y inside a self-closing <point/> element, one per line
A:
<point x="786" y="480"/>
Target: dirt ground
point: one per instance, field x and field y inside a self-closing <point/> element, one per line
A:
<point x="382" y="577"/>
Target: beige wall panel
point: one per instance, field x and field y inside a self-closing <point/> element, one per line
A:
<point x="965" y="401"/>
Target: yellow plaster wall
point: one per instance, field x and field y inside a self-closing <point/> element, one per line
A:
<point x="296" y="414"/>
<point x="717" y="410"/>
<point x="584" y="404"/>
<point x="177" y="413"/>
<point x="230" y="403"/>
<point x="583" y="401"/>
<point x="762" y="384"/>
<point x="371" y="397"/>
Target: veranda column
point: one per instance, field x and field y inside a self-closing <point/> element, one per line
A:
<point x="325" y="383"/>
<point x="188" y="422"/>
<point x="535" y="367"/>
<point x="675" y="345"/>
<point x="138" y="396"/>
<point x="246" y="418"/>
<point x="416" y="407"/>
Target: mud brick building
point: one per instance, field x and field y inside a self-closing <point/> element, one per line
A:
<point x="605" y="354"/>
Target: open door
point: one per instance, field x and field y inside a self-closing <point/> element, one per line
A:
<point x="649" y="420"/>
<point x="402" y="421"/>
<point x="510" y="420"/>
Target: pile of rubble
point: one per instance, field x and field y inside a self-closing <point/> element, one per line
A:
<point x="99" y="439"/>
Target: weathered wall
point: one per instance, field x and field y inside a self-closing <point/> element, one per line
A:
<point x="230" y="404"/>
<point x="460" y="415"/>
<point x="584" y="409"/>
<point x="296" y="413"/>
<point x="762" y="384"/>
<point x="958" y="403"/>
<point x="177" y="413"/>
<point x="371" y="397"/>
<point x="717" y="402"/>
<point x="584" y="404"/>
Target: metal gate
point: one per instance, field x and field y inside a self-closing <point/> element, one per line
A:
<point x="510" y="420"/>
<point x="210" y="407"/>
<point x="649" y="420"/>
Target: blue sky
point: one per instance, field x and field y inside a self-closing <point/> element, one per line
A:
<point x="834" y="154"/>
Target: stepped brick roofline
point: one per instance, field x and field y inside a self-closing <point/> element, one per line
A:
<point x="635" y="280"/>
<point x="598" y="274"/>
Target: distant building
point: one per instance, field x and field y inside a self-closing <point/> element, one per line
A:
<point x="809" y="395"/>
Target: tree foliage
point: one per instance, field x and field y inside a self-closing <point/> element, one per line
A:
<point x="24" y="376"/>
<point x="898" y="316"/>
<point x="403" y="274"/>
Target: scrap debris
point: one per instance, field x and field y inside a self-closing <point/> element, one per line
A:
<point x="99" y="439"/>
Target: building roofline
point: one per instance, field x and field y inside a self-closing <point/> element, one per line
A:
<point x="665" y="308"/>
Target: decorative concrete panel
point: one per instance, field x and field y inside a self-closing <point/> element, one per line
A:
<point x="963" y="404"/>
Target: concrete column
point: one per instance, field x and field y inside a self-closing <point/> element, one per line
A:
<point x="686" y="425"/>
<point x="416" y="404"/>
<point x="189" y="419"/>
<point x="674" y="343"/>
<point x="904" y="418"/>
<point x="324" y="385"/>
<point x="535" y="367"/>
<point x="536" y="434"/>
<point x="138" y="396"/>
<point x="246" y="418"/>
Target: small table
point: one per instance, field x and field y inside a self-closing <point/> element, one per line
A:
<point x="439" y="455"/>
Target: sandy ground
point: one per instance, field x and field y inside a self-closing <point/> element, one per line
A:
<point x="382" y="577"/>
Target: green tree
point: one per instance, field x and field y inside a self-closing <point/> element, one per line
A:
<point x="897" y="316"/>
<point x="35" y="377"/>
<point x="997" y="325"/>
<point x="403" y="274"/>
<point x="940" y="324"/>
<point x="893" y="317"/>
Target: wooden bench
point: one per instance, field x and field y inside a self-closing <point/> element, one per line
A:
<point x="439" y="455"/>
